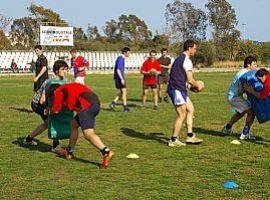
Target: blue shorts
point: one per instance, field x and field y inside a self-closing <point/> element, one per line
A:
<point x="119" y="85"/>
<point x="178" y="97"/>
<point x="86" y="118"/>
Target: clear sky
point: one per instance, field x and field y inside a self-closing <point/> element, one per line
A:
<point x="79" y="13"/>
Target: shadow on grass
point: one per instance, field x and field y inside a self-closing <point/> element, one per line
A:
<point x="119" y="108"/>
<point x="42" y="147"/>
<point x="80" y="160"/>
<point x="138" y="100"/>
<point x="24" y="110"/>
<point x="259" y="140"/>
<point x="151" y="136"/>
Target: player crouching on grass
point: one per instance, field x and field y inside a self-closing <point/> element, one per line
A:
<point x="150" y="69"/>
<point x="181" y="74"/>
<point x="39" y="105"/>
<point x="238" y="103"/>
<point x="77" y="97"/>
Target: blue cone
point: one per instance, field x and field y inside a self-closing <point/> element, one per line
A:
<point x="230" y="185"/>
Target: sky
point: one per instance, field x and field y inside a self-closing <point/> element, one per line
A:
<point x="79" y="13"/>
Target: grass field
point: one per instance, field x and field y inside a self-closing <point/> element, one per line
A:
<point x="191" y="172"/>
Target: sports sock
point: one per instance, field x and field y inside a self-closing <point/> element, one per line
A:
<point x="228" y="126"/>
<point x="70" y="150"/>
<point x="246" y="130"/>
<point x="55" y="143"/>
<point x="173" y="138"/>
<point x="28" y="138"/>
<point x="105" y="151"/>
<point x="190" y="134"/>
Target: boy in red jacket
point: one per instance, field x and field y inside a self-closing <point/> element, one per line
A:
<point x="77" y="97"/>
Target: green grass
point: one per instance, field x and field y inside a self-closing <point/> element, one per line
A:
<point x="191" y="172"/>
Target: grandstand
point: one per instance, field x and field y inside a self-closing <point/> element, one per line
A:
<point x="99" y="61"/>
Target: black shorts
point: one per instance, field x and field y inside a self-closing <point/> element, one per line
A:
<point x="163" y="79"/>
<point x="152" y="86"/>
<point x="39" y="109"/>
<point x="119" y="85"/>
<point x="86" y="118"/>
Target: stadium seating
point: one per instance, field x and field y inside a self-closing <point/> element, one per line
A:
<point x="99" y="61"/>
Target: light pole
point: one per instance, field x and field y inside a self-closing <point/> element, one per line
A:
<point x="244" y="31"/>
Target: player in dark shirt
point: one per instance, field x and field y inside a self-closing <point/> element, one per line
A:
<point x="163" y="78"/>
<point x="41" y="72"/>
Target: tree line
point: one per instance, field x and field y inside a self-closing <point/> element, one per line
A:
<point x="183" y="21"/>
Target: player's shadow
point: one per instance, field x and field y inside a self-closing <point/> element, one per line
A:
<point x="24" y="110"/>
<point x="259" y="140"/>
<point x="81" y="160"/>
<point x="208" y="132"/>
<point x="42" y="147"/>
<point x="151" y="136"/>
<point x="119" y="107"/>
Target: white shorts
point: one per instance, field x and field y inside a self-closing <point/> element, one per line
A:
<point x="80" y="80"/>
<point x="239" y="104"/>
<point x="178" y="97"/>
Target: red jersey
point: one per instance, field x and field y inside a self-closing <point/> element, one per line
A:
<point x="79" y="64"/>
<point x="74" y="97"/>
<point x="266" y="88"/>
<point x="150" y="79"/>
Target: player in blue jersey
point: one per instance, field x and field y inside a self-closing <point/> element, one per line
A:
<point x="120" y="80"/>
<point x="181" y="74"/>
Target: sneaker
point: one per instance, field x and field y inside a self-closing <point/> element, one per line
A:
<point x="57" y="149"/>
<point x="166" y="99"/>
<point x="227" y="131"/>
<point x="106" y="160"/>
<point x="126" y="110"/>
<point x="247" y="137"/>
<point x="193" y="140"/>
<point x="156" y="107"/>
<point x="69" y="155"/>
<point x="143" y="106"/>
<point x="112" y="106"/>
<point x="30" y="143"/>
<point x="176" y="143"/>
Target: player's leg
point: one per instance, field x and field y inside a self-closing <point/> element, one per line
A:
<point x="144" y="95"/>
<point x="155" y="97"/>
<point x="191" y="137"/>
<point x="249" y="121"/>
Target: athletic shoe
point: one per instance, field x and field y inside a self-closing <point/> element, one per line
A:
<point x="227" y="131"/>
<point x="156" y="107"/>
<point x="30" y="143"/>
<point x="57" y="149"/>
<point x="166" y="99"/>
<point x="106" y="160"/>
<point x="126" y="110"/>
<point x="193" y="140"/>
<point x="112" y="106"/>
<point x="69" y="155"/>
<point x="176" y="143"/>
<point x="143" y="106"/>
<point x="247" y="137"/>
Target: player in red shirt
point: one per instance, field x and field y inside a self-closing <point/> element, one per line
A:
<point x="77" y="97"/>
<point x="150" y="69"/>
<point x="79" y="64"/>
<point x="264" y="76"/>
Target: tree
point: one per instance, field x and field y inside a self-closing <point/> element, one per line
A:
<point x="4" y="41"/>
<point x="92" y="32"/>
<point x="112" y="30"/>
<point x="223" y="20"/>
<point x="79" y="34"/>
<point x="133" y="29"/>
<point x="185" y="21"/>
<point x="25" y="31"/>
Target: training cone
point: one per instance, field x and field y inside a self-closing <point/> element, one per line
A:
<point x="230" y="185"/>
<point x="235" y="142"/>
<point x="132" y="156"/>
